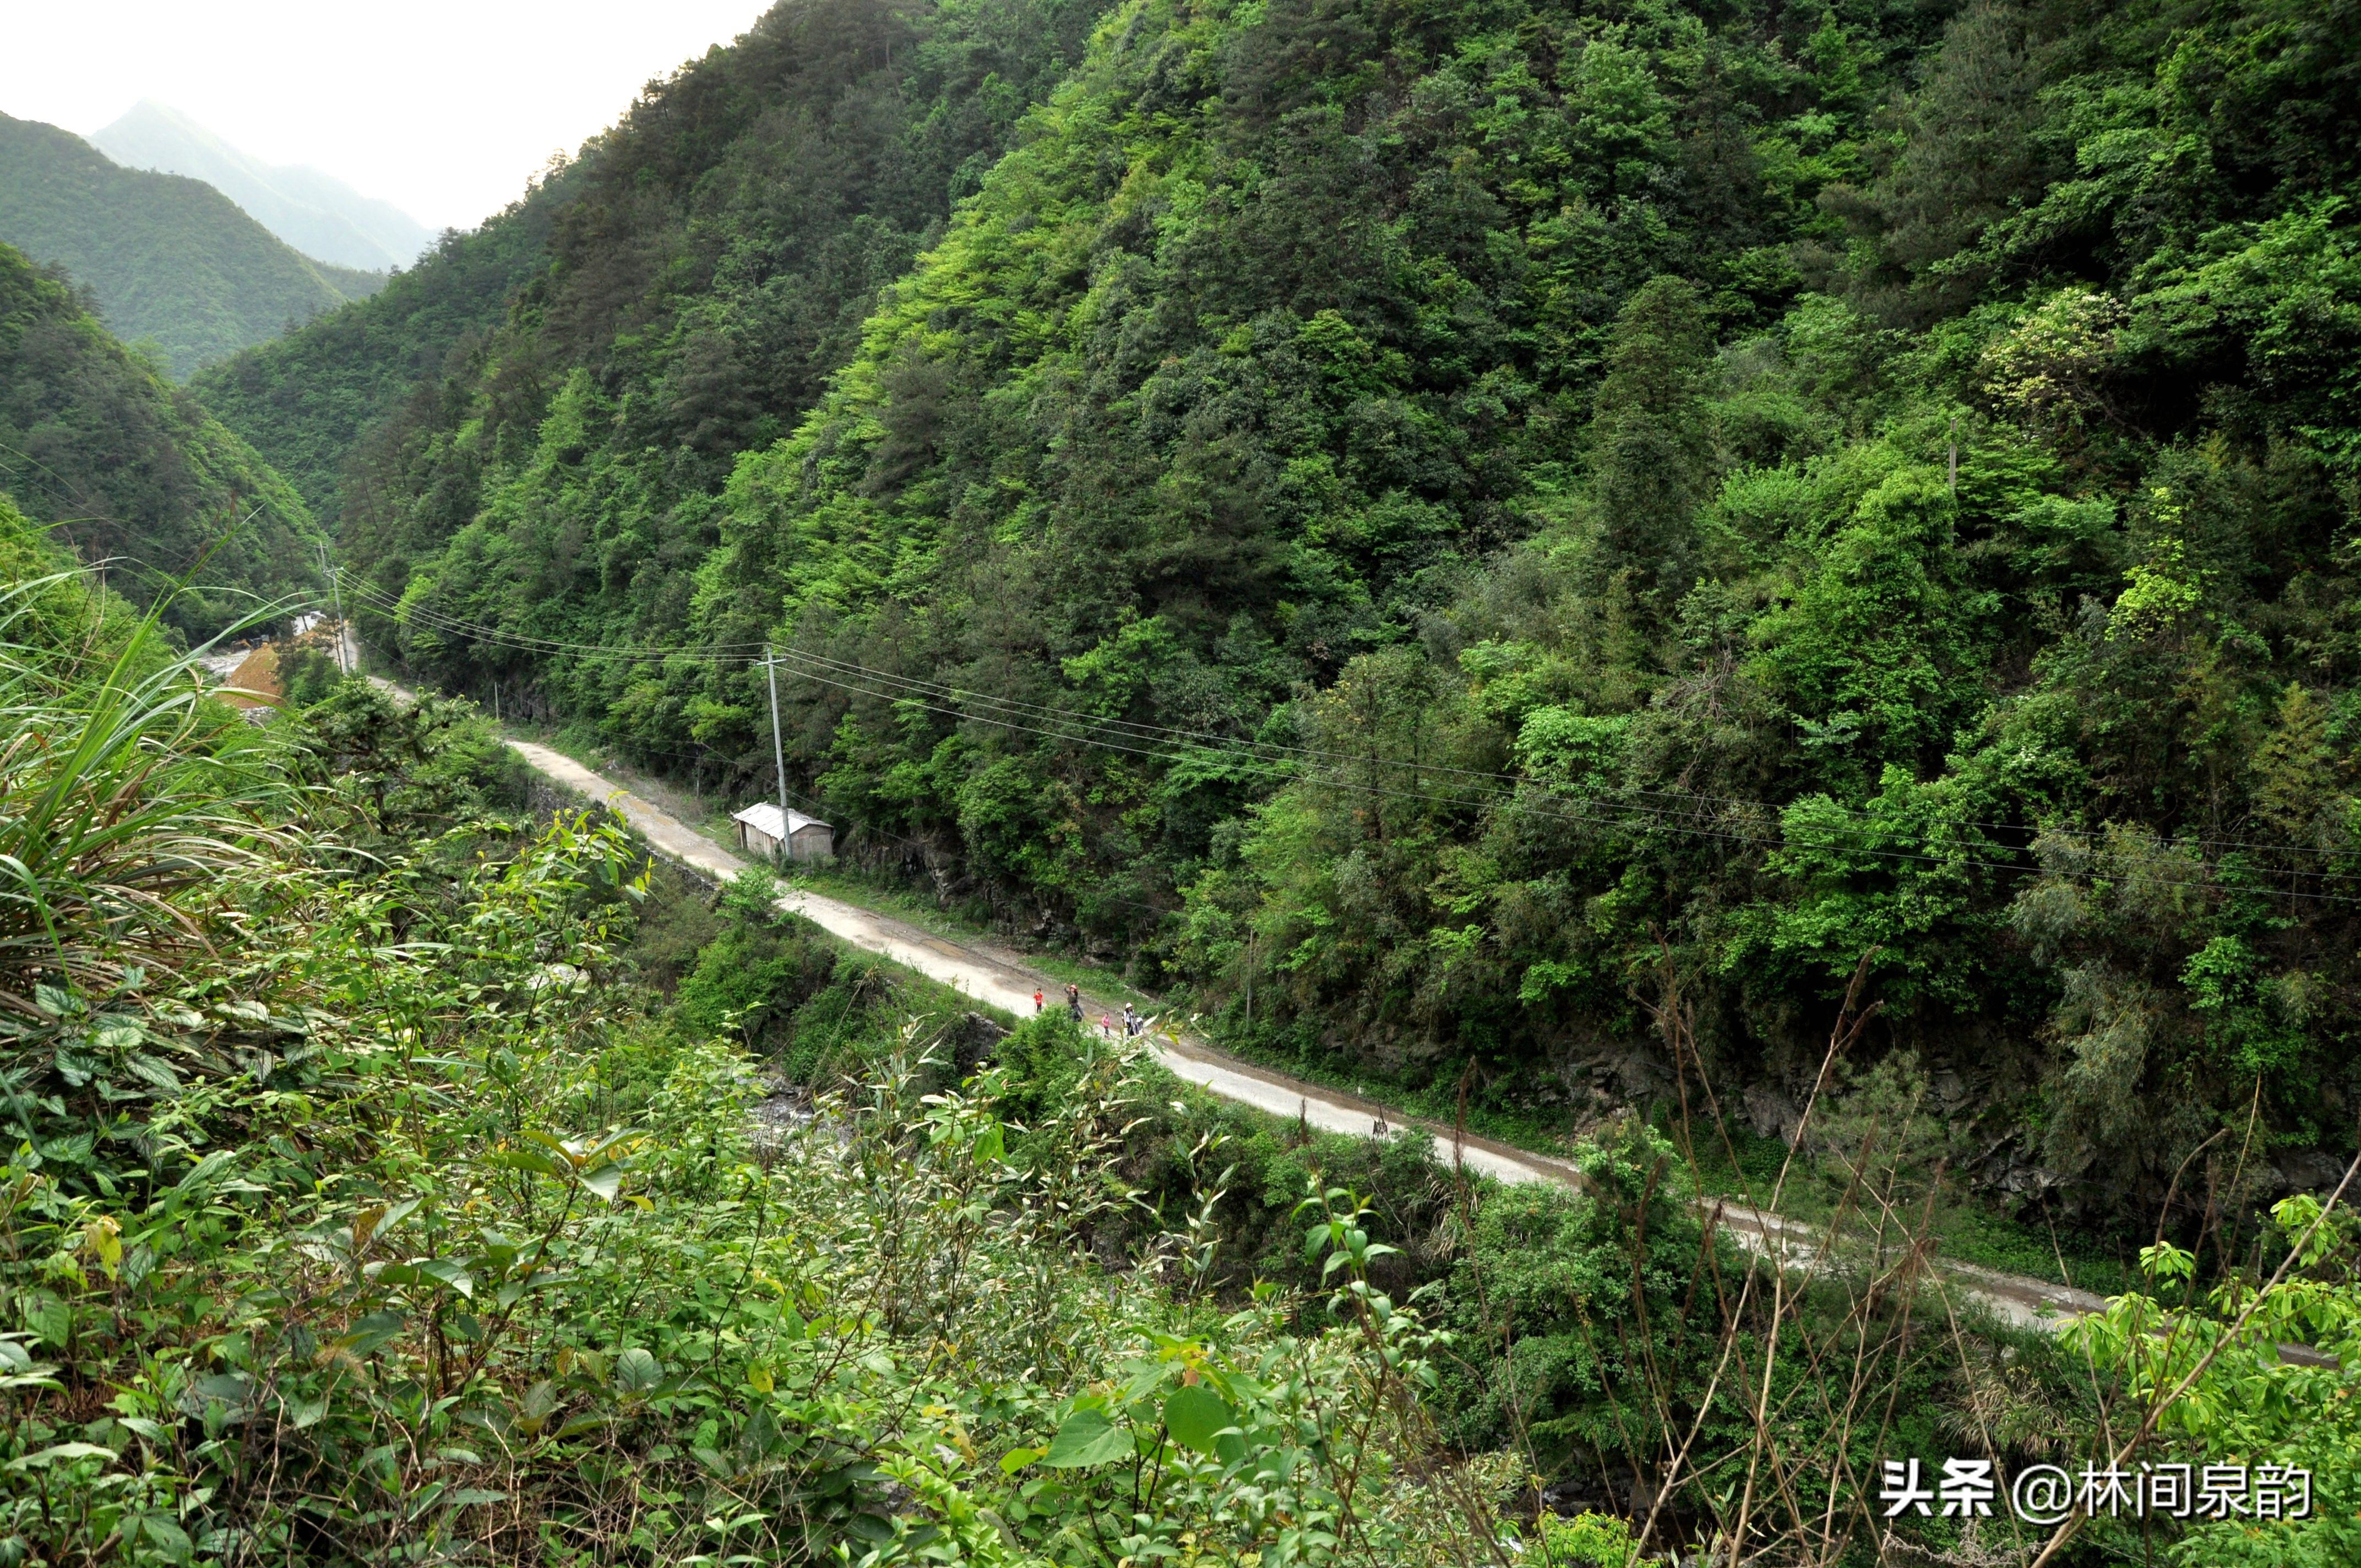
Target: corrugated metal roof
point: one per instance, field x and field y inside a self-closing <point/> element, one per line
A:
<point x="763" y="818"/>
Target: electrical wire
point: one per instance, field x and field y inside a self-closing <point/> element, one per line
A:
<point x="1623" y="815"/>
<point x="1282" y="771"/>
<point x="825" y="810"/>
<point x="1626" y="815"/>
<point x="1150" y="732"/>
<point x="1132" y="729"/>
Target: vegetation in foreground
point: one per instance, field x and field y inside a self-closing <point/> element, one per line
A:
<point x="398" y="1180"/>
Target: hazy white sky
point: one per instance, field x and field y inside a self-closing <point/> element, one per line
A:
<point x="444" y="107"/>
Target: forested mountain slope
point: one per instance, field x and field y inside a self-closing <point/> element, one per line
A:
<point x="308" y="400"/>
<point x="1469" y="525"/>
<point x="128" y="470"/>
<point x="695" y="276"/>
<point x="170" y="259"/>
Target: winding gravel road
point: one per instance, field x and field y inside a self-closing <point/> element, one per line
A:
<point x="1002" y="979"/>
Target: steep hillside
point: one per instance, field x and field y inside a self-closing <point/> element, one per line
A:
<point x="317" y="213"/>
<point x="126" y="468"/>
<point x="1520" y="548"/>
<point x="307" y="400"/>
<point x="708" y="264"/>
<point x="172" y="260"/>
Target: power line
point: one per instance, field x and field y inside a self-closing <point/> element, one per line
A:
<point x="938" y="699"/>
<point x="1136" y="731"/>
<point x="1152" y="731"/>
<point x="1279" y="769"/>
<point x="377" y="597"/>
<point x="61" y="488"/>
<point x="1689" y="823"/>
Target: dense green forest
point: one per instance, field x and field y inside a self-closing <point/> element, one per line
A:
<point x="1446" y="531"/>
<point x="169" y="261"/>
<point x="126" y="469"/>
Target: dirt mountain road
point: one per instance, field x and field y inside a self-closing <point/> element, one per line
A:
<point x="1001" y="979"/>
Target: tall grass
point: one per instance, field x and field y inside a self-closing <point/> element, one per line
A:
<point x="123" y="794"/>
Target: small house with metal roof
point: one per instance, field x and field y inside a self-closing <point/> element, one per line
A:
<point x="764" y="830"/>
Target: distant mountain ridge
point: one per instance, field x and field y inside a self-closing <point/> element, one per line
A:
<point x="169" y="259"/>
<point x="317" y="213"/>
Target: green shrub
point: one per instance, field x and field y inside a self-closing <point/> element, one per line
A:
<point x="1589" y="1541"/>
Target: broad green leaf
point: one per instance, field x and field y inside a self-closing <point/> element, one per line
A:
<point x="638" y="1370"/>
<point x="51" y="1319"/>
<point x="154" y="1073"/>
<point x="532" y="1160"/>
<point x="1087" y="1438"/>
<point x="161" y="1531"/>
<point x="450" y="1272"/>
<point x="205" y="1170"/>
<point x="1195" y="1416"/>
<point x="62" y="1451"/>
<point x="439" y="1272"/>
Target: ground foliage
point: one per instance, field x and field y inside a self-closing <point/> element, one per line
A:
<point x="362" y="1210"/>
<point x="399" y="1178"/>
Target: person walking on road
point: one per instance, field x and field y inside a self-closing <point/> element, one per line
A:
<point x="1075" y="1000"/>
<point x="1130" y="1021"/>
<point x="1037" y="1002"/>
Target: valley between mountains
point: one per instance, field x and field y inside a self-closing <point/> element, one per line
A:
<point x="1000" y="979"/>
<point x="1737" y="623"/>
